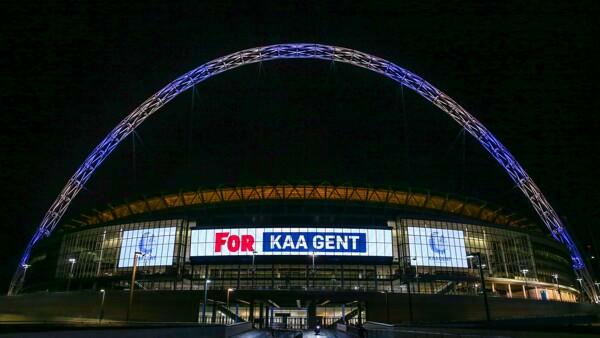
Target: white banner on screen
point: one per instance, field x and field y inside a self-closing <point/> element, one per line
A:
<point x="156" y="245"/>
<point x="293" y="241"/>
<point x="437" y="247"/>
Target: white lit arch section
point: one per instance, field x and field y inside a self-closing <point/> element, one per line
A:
<point x="309" y="51"/>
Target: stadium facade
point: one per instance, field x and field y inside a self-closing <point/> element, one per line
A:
<point x="268" y="250"/>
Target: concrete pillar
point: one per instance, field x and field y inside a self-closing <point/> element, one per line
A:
<point x="311" y="313"/>
<point x="524" y="292"/>
<point x="360" y="308"/>
<point x="509" y="291"/>
<point x="251" y="314"/>
<point x="267" y="316"/>
<point x="261" y="319"/>
<point x="214" y="312"/>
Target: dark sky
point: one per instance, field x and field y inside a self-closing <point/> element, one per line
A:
<point x="71" y="71"/>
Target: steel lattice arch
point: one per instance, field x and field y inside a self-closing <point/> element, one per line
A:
<point x="309" y="51"/>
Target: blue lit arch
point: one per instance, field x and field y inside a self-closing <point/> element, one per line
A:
<point x="309" y="51"/>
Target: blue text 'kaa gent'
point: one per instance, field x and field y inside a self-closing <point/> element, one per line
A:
<point x="314" y="242"/>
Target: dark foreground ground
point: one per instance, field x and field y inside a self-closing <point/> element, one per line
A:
<point x="76" y="330"/>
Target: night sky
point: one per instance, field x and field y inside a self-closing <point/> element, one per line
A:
<point x="71" y="71"/>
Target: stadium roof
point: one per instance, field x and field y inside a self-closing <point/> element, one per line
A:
<point x="459" y="206"/>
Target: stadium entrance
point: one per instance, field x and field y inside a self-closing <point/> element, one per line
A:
<point x="294" y="310"/>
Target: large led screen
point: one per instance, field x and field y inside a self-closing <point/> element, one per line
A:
<point x="292" y="241"/>
<point x="155" y="245"/>
<point x="437" y="247"/>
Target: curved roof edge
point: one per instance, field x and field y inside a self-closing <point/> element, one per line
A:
<point x="465" y="207"/>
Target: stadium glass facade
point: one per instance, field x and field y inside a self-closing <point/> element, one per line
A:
<point x="507" y="258"/>
<point x="406" y="251"/>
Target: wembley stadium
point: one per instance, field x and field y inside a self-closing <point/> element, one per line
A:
<point x="301" y="255"/>
<point x="296" y="255"/>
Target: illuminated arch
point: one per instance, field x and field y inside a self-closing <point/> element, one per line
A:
<point x="309" y="51"/>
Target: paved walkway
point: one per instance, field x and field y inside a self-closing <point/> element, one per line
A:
<point x="287" y="334"/>
<point x="253" y="334"/>
<point x="324" y="333"/>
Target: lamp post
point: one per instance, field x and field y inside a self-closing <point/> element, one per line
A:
<point x="101" y="316"/>
<point x="410" y="309"/>
<point x="485" y="299"/>
<point x="314" y="270"/>
<point x="228" y="291"/>
<point x="555" y="276"/>
<point x="387" y="307"/>
<point x="471" y="266"/>
<point x="416" y="267"/>
<point x="132" y="285"/>
<point x="72" y="261"/>
<point x="101" y="254"/>
<point x="25" y="267"/>
<point x="580" y="289"/>
<point x="525" y="271"/>
<point x="416" y="273"/>
<point x="206" y="282"/>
